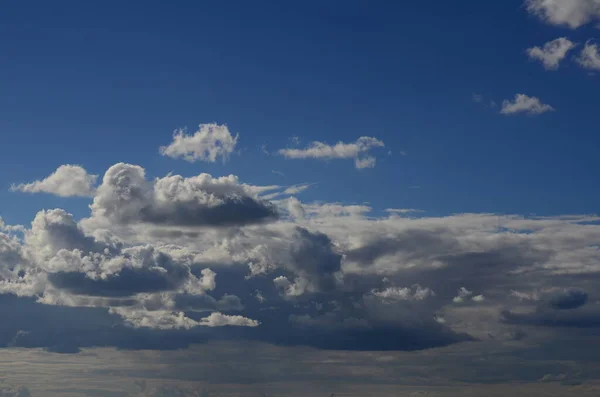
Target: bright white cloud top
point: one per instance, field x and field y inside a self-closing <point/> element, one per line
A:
<point x="67" y="181"/>
<point x="525" y="104"/>
<point x="358" y="150"/>
<point x="551" y="53"/>
<point x="209" y="143"/>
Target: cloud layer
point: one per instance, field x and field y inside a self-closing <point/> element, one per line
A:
<point x="161" y="263"/>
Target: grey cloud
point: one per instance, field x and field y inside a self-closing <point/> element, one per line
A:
<point x="570" y="299"/>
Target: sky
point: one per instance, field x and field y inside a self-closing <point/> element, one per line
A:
<point x="282" y="198"/>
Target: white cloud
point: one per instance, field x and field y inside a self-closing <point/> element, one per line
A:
<point x="552" y="53"/>
<point x="67" y="181"/>
<point x="210" y="142"/>
<point x="217" y="319"/>
<point x="396" y="294"/>
<point x="589" y="57"/>
<point x="573" y="13"/>
<point x="463" y="294"/>
<point x="525" y="104"/>
<point x="356" y="150"/>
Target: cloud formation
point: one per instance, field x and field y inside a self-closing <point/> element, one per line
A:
<point x="525" y="104"/>
<point x="552" y="53"/>
<point x="67" y="181"/>
<point x="159" y="264"/>
<point x="589" y="57"/>
<point x="209" y="143"/>
<point x="125" y="196"/>
<point x="355" y="150"/>
<point x="572" y="13"/>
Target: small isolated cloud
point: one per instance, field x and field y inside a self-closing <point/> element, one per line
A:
<point x="67" y="181"/>
<point x="525" y="104"/>
<point x="395" y="294"/>
<point x="551" y="53"/>
<point x="210" y="142"/>
<point x="477" y="98"/>
<point x="356" y="150"/>
<point x="463" y="294"/>
<point x="589" y="57"/>
<point x="572" y="13"/>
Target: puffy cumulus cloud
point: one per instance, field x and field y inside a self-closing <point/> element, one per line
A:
<point x="58" y="264"/>
<point x="210" y="142"/>
<point x="125" y="196"/>
<point x="572" y="13"/>
<point x="589" y="57"/>
<point x="356" y="150"/>
<point x="551" y="53"/>
<point x="525" y="104"/>
<point x="66" y="181"/>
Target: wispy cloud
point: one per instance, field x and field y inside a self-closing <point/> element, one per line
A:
<point x="357" y="150"/>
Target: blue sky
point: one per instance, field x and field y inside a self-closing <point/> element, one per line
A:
<point x="87" y="85"/>
<point x="354" y="197"/>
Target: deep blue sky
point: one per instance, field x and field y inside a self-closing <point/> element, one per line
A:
<point x="95" y="84"/>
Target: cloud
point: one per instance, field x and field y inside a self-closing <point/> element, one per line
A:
<point x="572" y="13"/>
<point x="589" y="57"/>
<point x="217" y="319"/>
<point x="569" y="299"/>
<point x="356" y="150"/>
<point x="395" y="294"/>
<point x="66" y="181"/>
<point x="463" y="294"/>
<point x="552" y="53"/>
<point x="14" y="391"/>
<point x="330" y="275"/>
<point x="525" y="104"/>
<point x="166" y="320"/>
<point x="125" y="196"/>
<point x="210" y="142"/>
